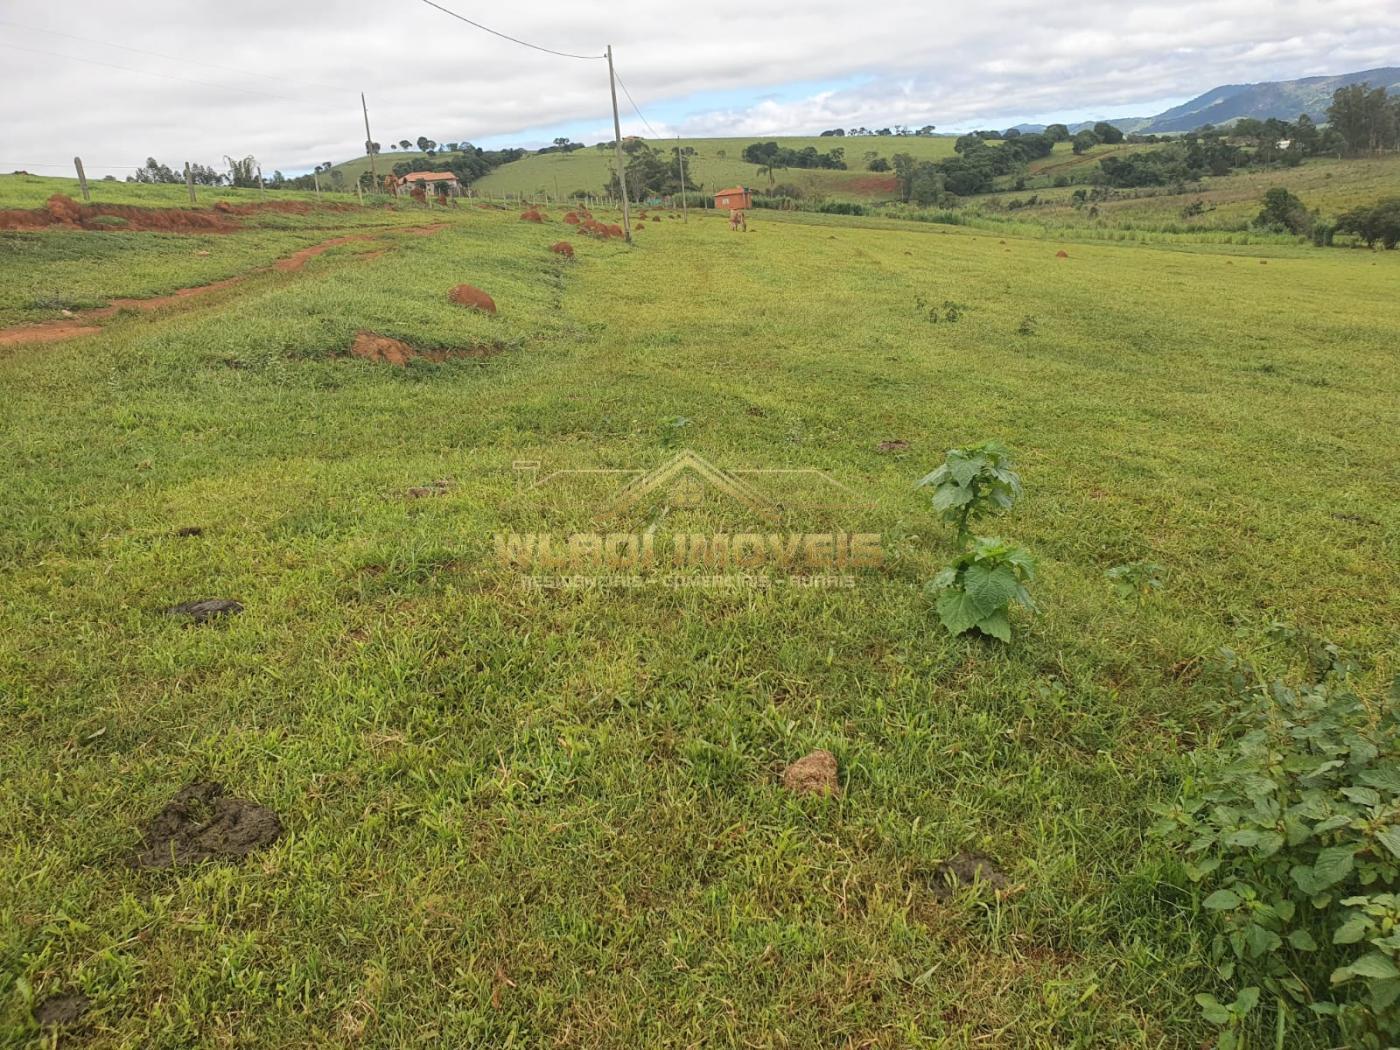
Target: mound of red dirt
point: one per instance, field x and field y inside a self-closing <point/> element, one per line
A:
<point x="473" y="297"/>
<point x="1062" y="254"/>
<point x="532" y="215"/>
<point x="60" y="210"/>
<point x="563" y="248"/>
<point x="571" y="218"/>
<point x="63" y="209"/>
<point x="368" y="346"/>
<point x="381" y="349"/>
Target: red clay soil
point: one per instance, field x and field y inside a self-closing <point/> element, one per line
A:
<point x="1062" y="254"/>
<point x="532" y="215"/>
<point x="571" y="218"/>
<point x="872" y="185"/>
<point x="71" y="328"/>
<point x="382" y="350"/>
<point x="470" y="296"/>
<point x="563" y="248"/>
<point x="221" y="218"/>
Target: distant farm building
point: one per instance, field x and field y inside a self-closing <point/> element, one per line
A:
<point x="441" y="183"/>
<point x="734" y="197"/>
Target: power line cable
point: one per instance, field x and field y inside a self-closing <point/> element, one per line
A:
<point x="506" y="36"/>
<point x="634" y="105"/>
<point x="172" y="58"/>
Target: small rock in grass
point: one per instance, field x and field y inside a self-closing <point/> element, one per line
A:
<point x="206" y="609"/>
<point x="966" y="869"/>
<point x="61" y="1009"/>
<point x="813" y="774"/>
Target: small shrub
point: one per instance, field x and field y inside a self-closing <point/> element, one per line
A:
<point x="1027" y="326"/>
<point x="973" y="482"/>
<point x="977" y="589"/>
<point x="1136" y="579"/>
<point x="1295" y="831"/>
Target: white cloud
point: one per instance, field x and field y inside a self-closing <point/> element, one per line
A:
<point x="281" y="80"/>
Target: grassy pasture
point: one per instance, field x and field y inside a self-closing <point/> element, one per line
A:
<point x="532" y="818"/>
<point x="718" y="163"/>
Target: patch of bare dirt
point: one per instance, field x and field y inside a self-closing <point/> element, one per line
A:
<point x="967" y="869"/>
<point x="470" y="296"/>
<point x="532" y="215"/>
<point x="895" y="445"/>
<point x="813" y="774"/>
<point x="61" y="1009"/>
<point x="200" y="824"/>
<point x="381" y="349"/>
<point x="206" y="609"/>
<point x="57" y="331"/>
<point x="432" y="488"/>
<point x="1062" y="254"/>
<point x="563" y="248"/>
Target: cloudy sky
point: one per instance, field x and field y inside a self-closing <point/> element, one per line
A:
<point x="193" y="80"/>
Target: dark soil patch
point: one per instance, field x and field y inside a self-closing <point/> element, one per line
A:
<point x="1062" y="254"/>
<point x="61" y="1009"/>
<point x="190" y="530"/>
<point x="432" y="488"/>
<point x="206" y="609"/>
<point x="813" y="774"/>
<point x="895" y="445"/>
<point x="966" y="869"/>
<point x="472" y="297"/>
<point x="199" y="824"/>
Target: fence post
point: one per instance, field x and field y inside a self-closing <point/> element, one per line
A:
<point x="189" y="182"/>
<point x="82" y="178"/>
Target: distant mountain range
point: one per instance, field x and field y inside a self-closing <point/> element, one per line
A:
<point x="1284" y="99"/>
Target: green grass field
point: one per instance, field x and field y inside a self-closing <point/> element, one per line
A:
<point x="718" y="162"/>
<point x="522" y="817"/>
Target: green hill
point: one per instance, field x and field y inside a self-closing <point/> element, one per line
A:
<point x="718" y="162"/>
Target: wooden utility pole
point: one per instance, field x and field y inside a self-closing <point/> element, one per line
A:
<point x="82" y="178"/>
<point x="369" y="143"/>
<point x="261" y="185"/>
<point x="680" y="163"/>
<point x="189" y="182"/>
<point x="316" y="179"/>
<point x="617" y="143"/>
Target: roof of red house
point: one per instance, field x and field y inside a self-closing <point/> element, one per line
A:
<point x="732" y="189"/>
<point x="428" y="176"/>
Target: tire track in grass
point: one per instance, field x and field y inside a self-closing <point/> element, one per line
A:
<point x="81" y="323"/>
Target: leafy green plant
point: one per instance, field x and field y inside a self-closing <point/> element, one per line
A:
<point x="1135" y="579"/>
<point x="973" y="482"/>
<point x="1027" y="326"/>
<point x="1296" y="833"/>
<point x="950" y="311"/>
<point x="977" y="589"/>
<point x="672" y="430"/>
